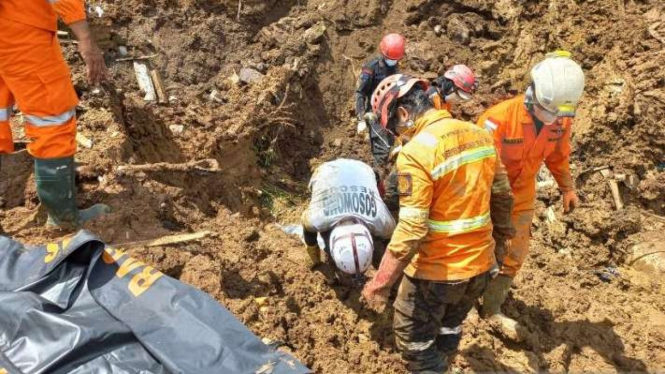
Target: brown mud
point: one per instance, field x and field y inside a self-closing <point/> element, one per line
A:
<point x="268" y="134"/>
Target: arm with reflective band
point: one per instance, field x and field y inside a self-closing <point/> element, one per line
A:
<point x="415" y="200"/>
<point x="70" y="11"/>
<point x="558" y="162"/>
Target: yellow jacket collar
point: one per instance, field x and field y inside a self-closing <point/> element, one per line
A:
<point x="431" y="116"/>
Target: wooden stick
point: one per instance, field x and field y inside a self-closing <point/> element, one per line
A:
<point x="614" y="187"/>
<point x="206" y="165"/>
<point x="166" y="240"/>
<point x="239" y="9"/>
<point x="654" y="33"/>
<point x="159" y="86"/>
<point x="148" y="57"/>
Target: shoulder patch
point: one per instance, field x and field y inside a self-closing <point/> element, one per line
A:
<point x="426" y="139"/>
<point x="404" y="184"/>
<point x="490" y="125"/>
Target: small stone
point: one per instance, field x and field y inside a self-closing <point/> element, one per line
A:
<point x="315" y="33"/>
<point x="337" y="142"/>
<point x="438" y="30"/>
<point x="249" y="75"/>
<point x="177" y="129"/>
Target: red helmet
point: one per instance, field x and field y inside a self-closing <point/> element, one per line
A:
<point x="463" y="78"/>
<point x="392" y="46"/>
<point x="391" y="89"/>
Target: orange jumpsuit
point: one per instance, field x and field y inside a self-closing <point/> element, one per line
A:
<point x="522" y="152"/>
<point x="34" y="75"/>
<point x="446" y="176"/>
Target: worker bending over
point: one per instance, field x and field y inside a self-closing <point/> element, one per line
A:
<point x="528" y="130"/>
<point x="34" y="76"/>
<point x="452" y="189"/>
<point x="348" y="212"/>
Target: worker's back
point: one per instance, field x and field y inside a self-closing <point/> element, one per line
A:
<point x="42" y="13"/>
<point x="459" y="160"/>
<point x="346" y="188"/>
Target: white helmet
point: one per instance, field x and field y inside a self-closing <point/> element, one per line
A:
<point x="351" y="247"/>
<point x="558" y="82"/>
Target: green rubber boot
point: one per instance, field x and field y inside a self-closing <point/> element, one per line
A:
<point x="494" y="296"/>
<point x="55" y="180"/>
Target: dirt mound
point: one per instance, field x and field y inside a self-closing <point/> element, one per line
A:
<point x="265" y="88"/>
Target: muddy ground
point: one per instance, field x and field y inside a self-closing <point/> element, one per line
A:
<point x="268" y="134"/>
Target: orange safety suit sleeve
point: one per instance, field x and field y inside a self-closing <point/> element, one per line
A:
<point x="415" y="188"/>
<point x="558" y="162"/>
<point x="501" y="203"/>
<point x="70" y="11"/>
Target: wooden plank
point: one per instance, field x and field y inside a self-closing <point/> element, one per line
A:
<point x="166" y="240"/>
<point x="159" y="86"/>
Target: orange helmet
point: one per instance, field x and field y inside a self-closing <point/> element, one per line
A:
<point x="391" y="89"/>
<point x="392" y="46"/>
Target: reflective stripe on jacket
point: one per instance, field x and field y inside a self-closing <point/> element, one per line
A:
<point x="523" y="151"/>
<point x="43" y="14"/>
<point x="445" y="182"/>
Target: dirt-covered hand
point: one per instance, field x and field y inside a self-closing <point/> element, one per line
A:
<point x="374" y="298"/>
<point x="570" y="201"/>
<point x="94" y="61"/>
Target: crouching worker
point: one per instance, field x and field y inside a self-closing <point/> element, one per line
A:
<point x="448" y="177"/>
<point x="347" y="210"/>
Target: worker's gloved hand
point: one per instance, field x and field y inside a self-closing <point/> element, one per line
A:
<point x="314" y="254"/>
<point x="362" y="127"/>
<point x="570" y="201"/>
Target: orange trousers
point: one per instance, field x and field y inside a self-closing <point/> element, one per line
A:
<point x="35" y="77"/>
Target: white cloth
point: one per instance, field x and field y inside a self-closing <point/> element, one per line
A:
<point x="346" y="189"/>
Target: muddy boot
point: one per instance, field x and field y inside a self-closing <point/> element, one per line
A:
<point x="493" y="298"/>
<point x="314" y="254"/>
<point x="55" y="180"/>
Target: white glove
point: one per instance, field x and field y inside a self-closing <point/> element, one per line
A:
<point x="362" y="127"/>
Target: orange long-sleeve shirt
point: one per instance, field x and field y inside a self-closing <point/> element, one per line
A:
<point x="43" y="14"/>
<point x="523" y="151"/>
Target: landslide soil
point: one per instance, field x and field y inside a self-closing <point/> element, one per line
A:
<point x="267" y="136"/>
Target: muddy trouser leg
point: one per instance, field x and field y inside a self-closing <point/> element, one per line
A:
<point x="450" y="333"/>
<point x="518" y="248"/>
<point x="421" y="307"/>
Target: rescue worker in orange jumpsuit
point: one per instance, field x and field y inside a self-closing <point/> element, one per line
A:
<point x="529" y="130"/>
<point x="450" y="179"/>
<point x="35" y="77"/>
<point x="456" y="85"/>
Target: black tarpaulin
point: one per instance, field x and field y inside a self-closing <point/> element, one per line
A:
<point x="80" y="306"/>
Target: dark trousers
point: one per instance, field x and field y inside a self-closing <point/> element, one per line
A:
<point x="428" y="318"/>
